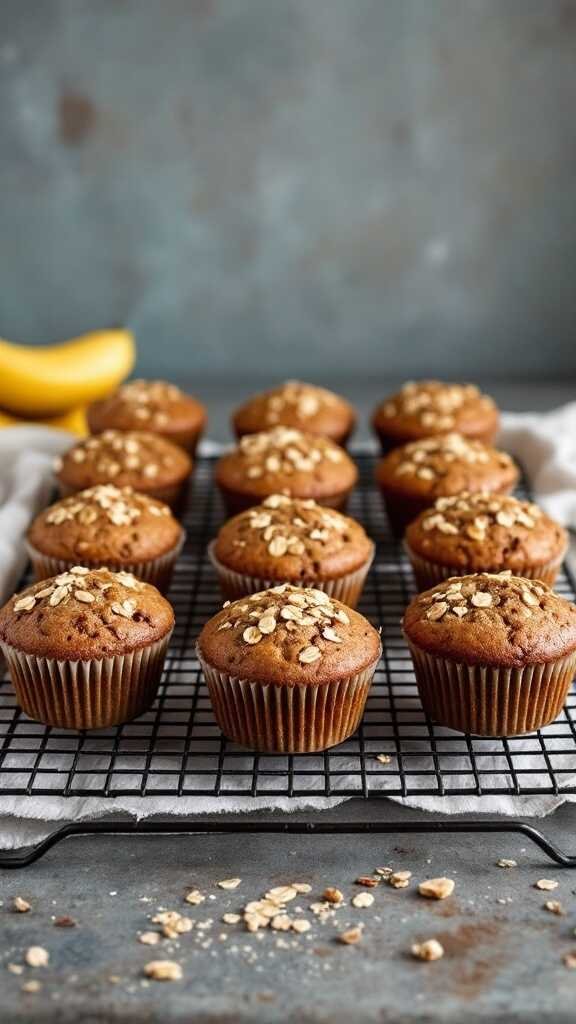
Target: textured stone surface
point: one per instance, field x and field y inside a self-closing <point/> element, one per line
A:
<point x="380" y="184"/>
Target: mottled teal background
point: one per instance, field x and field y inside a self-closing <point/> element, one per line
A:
<point x="312" y="187"/>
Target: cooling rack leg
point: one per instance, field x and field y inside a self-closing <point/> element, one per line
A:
<point x="23" y="857"/>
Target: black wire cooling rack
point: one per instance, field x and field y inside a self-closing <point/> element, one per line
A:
<point x="177" y="750"/>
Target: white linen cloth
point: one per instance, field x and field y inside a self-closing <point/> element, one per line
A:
<point x="546" y="446"/>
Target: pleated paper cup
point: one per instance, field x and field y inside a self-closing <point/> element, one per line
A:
<point x="93" y="694"/>
<point x="287" y="719"/>
<point x="427" y="574"/>
<point x="157" y="571"/>
<point x="346" y="589"/>
<point x="488" y="700"/>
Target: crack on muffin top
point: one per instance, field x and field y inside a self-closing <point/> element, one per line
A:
<point x="475" y="515"/>
<point x="287" y="451"/>
<point x="433" y="404"/>
<point x="434" y="457"/>
<point x="120" y="506"/>
<point x="116" y="451"/>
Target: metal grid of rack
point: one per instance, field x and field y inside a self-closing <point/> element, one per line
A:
<point x="176" y="749"/>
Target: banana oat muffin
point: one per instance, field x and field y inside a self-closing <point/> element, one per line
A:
<point x="288" y="669"/>
<point x="484" y="532"/>
<point x="296" y="541"/>
<point x="302" y="406"/>
<point x="145" y="462"/>
<point x="107" y="526"/>
<point x="427" y="407"/>
<point x="494" y="654"/>
<point x="85" y="649"/>
<point x="412" y="477"/>
<point x="152" y="405"/>
<point x="285" y="461"/>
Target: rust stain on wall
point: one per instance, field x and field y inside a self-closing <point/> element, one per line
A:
<point x="76" y="117"/>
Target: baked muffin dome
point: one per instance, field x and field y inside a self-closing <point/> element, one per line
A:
<point x="85" y="649"/>
<point x="494" y="654"/>
<point x="484" y="532"/>
<point x="106" y="526"/>
<point x="154" y="406"/>
<point x="413" y="476"/>
<point x="285" y="461"/>
<point x="428" y="407"/>
<point x="288" y="669"/>
<point x="147" y="463"/>
<point x="301" y="406"/>
<point x="293" y="540"/>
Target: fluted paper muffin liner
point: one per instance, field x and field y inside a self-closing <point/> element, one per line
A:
<point x="93" y="694"/>
<point x="492" y="701"/>
<point x="157" y="571"/>
<point x="427" y="574"/>
<point x="346" y="589"/>
<point x="287" y="719"/>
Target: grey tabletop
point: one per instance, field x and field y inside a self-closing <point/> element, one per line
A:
<point x="504" y="951"/>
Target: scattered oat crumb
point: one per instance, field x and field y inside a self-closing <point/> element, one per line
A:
<point x="301" y="925"/>
<point x="282" y="894"/>
<point x="229" y="883"/>
<point x="163" y="970"/>
<point x="332" y="895"/>
<point x="555" y="907"/>
<point x="20" y="905"/>
<point x="431" y="949"/>
<point x="31" y="986"/>
<point x="436" y="888"/>
<point x="37" y="956"/>
<point x="570" y="959"/>
<point x="64" y="922"/>
<point x="384" y="872"/>
<point x="506" y="862"/>
<point x="383" y="758"/>
<point x="15" y="968"/>
<point x="231" y="918"/>
<point x="546" y="884"/>
<point x="367" y="881"/>
<point x="194" y="897"/>
<point x="302" y="887"/>
<point x="351" y="936"/>
<point x="399" y="879"/>
<point x="362" y="899"/>
<point x="173" y="923"/>
<point x="149" y="938"/>
<point x="281" y="923"/>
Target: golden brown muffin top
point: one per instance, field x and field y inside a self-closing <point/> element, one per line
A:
<point x="295" y="404"/>
<point x="446" y="465"/>
<point x="492" y="619"/>
<point x="286" y="461"/>
<point x="105" y="523"/>
<point x="426" y="407"/>
<point x="125" y="458"/>
<point x="153" y="405"/>
<point x="289" y="636"/>
<point x="84" y="614"/>
<point x="486" y="531"/>
<point x="292" y="539"/>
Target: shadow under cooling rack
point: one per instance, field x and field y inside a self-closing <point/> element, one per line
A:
<point x="176" y="749"/>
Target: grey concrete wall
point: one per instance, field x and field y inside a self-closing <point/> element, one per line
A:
<point x="293" y="185"/>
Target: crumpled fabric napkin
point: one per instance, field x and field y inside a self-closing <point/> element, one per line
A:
<point x="546" y="446"/>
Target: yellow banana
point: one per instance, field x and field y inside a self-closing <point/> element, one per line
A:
<point x="46" y="381"/>
<point x="74" y="420"/>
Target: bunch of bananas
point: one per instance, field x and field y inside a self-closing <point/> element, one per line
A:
<point x="54" y="384"/>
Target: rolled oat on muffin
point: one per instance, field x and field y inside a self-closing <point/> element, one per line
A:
<point x="484" y="532"/>
<point x="301" y="406"/>
<point x="146" y="462"/>
<point x="154" y="406"/>
<point x="494" y="654"/>
<point x="107" y="526"/>
<point x="288" y="669"/>
<point x="285" y="461"/>
<point x="292" y="540"/>
<point x="412" y="477"/>
<point x="428" y="407"/>
<point x="85" y="649"/>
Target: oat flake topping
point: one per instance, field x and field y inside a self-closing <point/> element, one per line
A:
<point x="460" y="596"/>
<point x="116" y="451"/>
<point x="474" y="516"/>
<point x="434" y="404"/>
<point x="288" y="525"/>
<point x="286" y="451"/>
<point x="121" y="506"/>
<point x="431" y="457"/>
<point x="83" y="586"/>
<point x="305" y="400"/>
<point x="147" y="400"/>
